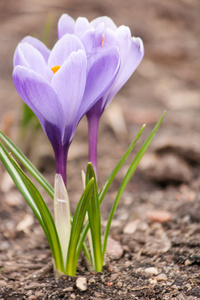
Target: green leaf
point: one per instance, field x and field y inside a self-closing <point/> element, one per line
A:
<point x="26" y="163"/>
<point x="77" y="224"/>
<point x="110" y="179"/>
<point x="31" y="168"/>
<point x="106" y="186"/>
<point x="8" y="163"/>
<point x="36" y="202"/>
<point x="127" y="177"/>
<point x="94" y="215"/>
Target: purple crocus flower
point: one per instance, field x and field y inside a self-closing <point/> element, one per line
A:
<point x="60" y="86"/>
<point x="97" y="36"/>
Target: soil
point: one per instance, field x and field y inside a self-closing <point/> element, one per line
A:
<point x="157" y="223"/>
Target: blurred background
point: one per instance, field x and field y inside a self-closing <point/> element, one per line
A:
<point x="167" y="79"/>
<point x="168" y="177"/>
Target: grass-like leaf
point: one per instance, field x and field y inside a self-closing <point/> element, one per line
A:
<point x="36" y="202"/>
<point x="77" y="224"/>
<point x="127" y="177"/>
<point x="94" y="216"/>
<point x="110" y="179"/>
<point x="26" y="163"/>
<point x="33" y="171"/>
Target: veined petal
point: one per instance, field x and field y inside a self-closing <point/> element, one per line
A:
<point x="110" y="39"/>
<point x="87" y="40"/>
<point x="63" y="48"/>
<point x="37" y="44"/>
<point x="131" y="58"/>
<point x="96" y="42"/>
<point x="126" y="43"/>
<point x="100" y="77"/>
<point x="28" y="56"/>
<point x="106" y="20"/>
<point x="39" y="96"/>
<point x="69" y="83"/>
<point x="81" y="26"/>
<point x="65" y="25"/>
<point x="98" y="36"/>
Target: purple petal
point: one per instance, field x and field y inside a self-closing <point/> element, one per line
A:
<point x="63" y="48"/>
<point x="65" y="25"/>
<point x="39" y="96"/>
<point x="131" y="54"/>
<point x="100" y="77"/>
<point x="37" y="45"/>
<point x="110" y="39"/>
<point x="108" y="23"/>
<point x="69" y="83"/>
<point x="87" y="40"/>
<point x="127" y="44"/>
<point x="28" y="56"/>
<point x="81" y="26"/>
<point x="92" y="40"/>
<point x="96" y="42"/>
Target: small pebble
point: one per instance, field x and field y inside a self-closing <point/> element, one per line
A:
<point x="114" y="276"/>
<point x="114" y="249"/>
<point x="25" y="223"/>
<point x="119" y="284"/>
<point x="152" y="281"/>
<point x="81" y="283"/>
<point x="151" y="271"/>
<point x="92" y="280"/>
<point x="109" y="283"/>
<point x="131" y="227"/>
<point x="160" y="216"/>
<point x="32" y="297"/>
<point x="68" y="289"/>
<point x="3" y="283"/>
<point x="128" y="263"/>
<point x="187" y="262"/>
<point x="29" y="293"/>
<point x="161" y="277"/>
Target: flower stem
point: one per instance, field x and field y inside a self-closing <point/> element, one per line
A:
<point x="93" y="125"/>
<point x="61" y="162"/>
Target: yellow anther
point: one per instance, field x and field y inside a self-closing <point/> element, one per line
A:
<point x="103" y="40"/>
<point x="55" y="69"/>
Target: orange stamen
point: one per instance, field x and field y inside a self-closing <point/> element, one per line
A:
<point x="55" y="69"/>
<point x="103" y="40"/>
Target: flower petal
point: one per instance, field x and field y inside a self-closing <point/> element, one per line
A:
<point x="37" y="44"/>
<point x="96" y="42"/>
<point x="100" y="77"/>
<point x="65" y="25"/>
<point x="28" y="56"/>
<point x="131" y="54"/>
<point x="63" y="48"/>
<point x="69" y="83"/>
<point x="81" y="26"/>
<point x="108" y="23"/>
<point x="39" y="96"/>
<point x="127" y="44"/>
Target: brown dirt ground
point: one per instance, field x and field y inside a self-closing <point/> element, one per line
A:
<point x="168" y="178"/>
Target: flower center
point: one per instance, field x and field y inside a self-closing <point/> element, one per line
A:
<point x="55" y="69"/>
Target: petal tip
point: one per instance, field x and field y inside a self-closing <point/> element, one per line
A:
<point x="139" y="44"/>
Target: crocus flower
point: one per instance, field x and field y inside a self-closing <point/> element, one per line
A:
<point x="60" y="86"/>
<point x="98" y="36"/>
